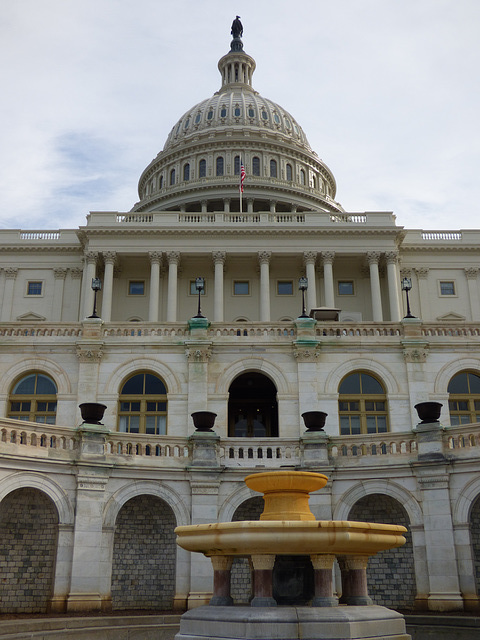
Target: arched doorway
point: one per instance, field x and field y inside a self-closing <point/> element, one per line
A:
<point x="144" y="555"/>
<point x="29" y="533"/>
<point x="475" y="537"/>
<point x="390" y="574"/>
<point x="252" y="407"/>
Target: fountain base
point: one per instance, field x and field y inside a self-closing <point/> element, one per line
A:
<point x="291" y="623"/>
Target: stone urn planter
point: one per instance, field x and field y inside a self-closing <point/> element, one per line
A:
<point x="429" y="411"/>
<point x="203" y="420"/>
<point x="314" y="420"/>
<point x="92" y="412"/>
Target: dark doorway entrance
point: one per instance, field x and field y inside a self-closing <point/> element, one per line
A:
<point x="252" y="407"/>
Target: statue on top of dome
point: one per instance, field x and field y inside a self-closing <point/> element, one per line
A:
<point x="237" y="28"/>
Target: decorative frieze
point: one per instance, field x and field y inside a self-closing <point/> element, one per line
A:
<point x="199" y="353"/>
<point x="306" y="353"/>
<point x="89" y="353"/>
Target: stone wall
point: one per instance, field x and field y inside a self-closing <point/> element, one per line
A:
<point x="475" y="533"/>
<point x="28" y="534"/>
<point x="391" y="574"/>
<point x="241" y="583"/>
<point x="144" y="555"/>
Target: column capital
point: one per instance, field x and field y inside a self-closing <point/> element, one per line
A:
<point x="221" y="563"/>
<point x="353" y="563"/>
<point x="328" y="257"/>
<point x="407" y="273"/>
<point x="173" y="257"/>
<point x="155" y="257"/>
<point x="421" y="273"/>
<point x="471" y="273"/>
<point x="109" y="257"/>
<point x="263" y="562"/>
<point x="264" y="257"/>
<point x="219" y="257"/>
<point x="76" y="273"/>
<point x="60" y="273"/>
<point x="322" y="560"/>
<point x="391" y="257"/>
<point x="91" y="257"/>
<point x="373" y="257"/>
<point x="309" y="257"/>
<point x="11" y="272"/>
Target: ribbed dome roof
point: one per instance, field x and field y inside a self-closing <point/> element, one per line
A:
<point x="199" y="165"/>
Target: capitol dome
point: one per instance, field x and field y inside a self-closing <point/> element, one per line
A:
<point x="199" y="166"/>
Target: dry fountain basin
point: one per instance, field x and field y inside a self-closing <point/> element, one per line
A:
<point x="287" y="527"/>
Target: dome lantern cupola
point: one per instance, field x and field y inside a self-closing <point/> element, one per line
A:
<point x="236" y="68"/>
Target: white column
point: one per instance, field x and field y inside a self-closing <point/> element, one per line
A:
<point x="173" y="258"/>
<point x="393" y="288"/>
<point x="109" y="260"/>
<point x="60" y="274"/>
<point x="373" y="258"/>
<point x="10" y="275"/>
<point x="155" y="260"/>
<point x="423" y="292"/>
<point x="264" y="260"/>
<point x="250" y="205"/>
<point x="219" y="262"/>
<point x="226" y="205"/>
<point x="328" y="257"/>
<point x="309" y="258"/>
<point x="90" y="272"/>
<point x="472" y="282"/>
<point x="273" y="207"/>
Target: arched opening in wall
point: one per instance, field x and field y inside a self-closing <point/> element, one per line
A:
<point x="252" y="407"/>
<point x="142" y="405"/>
<point x="362" y="404"/>
<point x="464" y="398"/>
<point x="33" y="398"/>
<point x="28" y="550"/>
<point x="293" y="576"/>
<point x="390" y="574"/>
<point x="475" y="538"/>
<point x="144" y="555"/>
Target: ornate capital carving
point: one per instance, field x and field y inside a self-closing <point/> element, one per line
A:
<point x="219" y="257"/>
<point x="309" y="257"/>
<point x="303" y="353"/>
<point x="199" y="353"/>
<point x="421" y="273"/>
<point x="155" y="257"/>
<point x="328" y="257"/>
<point x="11" y="273"/>
<point x="89" y="352"/>
<point x="76" y="273"/>
<point x="91" y="256"/>
<point x="391" y="257"/>
<point x="173" y="257"/>
<point x="263" y="562"/>
<point x="60" y="273"/>
<point x="373" y="257"/>
<point x="353" y="563"/>
<point x="415" y="353"/>
<point x="471" y="273"/>
<point x="109" y="257"/>
<point x="405" y="273"/>
<point x="221" y="563"/>
<point x="264" y="257"/>
<point x="322" y="561"/>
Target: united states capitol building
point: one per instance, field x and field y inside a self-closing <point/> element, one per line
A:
<point x="88" y="511"/>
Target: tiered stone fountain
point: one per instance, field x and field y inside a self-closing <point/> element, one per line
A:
<point x="288" y="527"/>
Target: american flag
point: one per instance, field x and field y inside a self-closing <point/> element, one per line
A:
<point x="242" y="176"/>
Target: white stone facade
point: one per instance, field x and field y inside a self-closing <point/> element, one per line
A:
<point x="251" y="255"/>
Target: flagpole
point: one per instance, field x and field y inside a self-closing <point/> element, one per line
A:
<point x="240" y="187"/>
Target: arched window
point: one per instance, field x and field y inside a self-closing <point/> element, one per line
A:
<point x="202" y="168"/>
<point x="220" y="166"/>
<point x="186" y="172"/>
<point x="464" y="398"/>
<point x="256" y="166"/>
<point x="273" y="168"/>
<point x="160" y="186"/>
<point x="236" y="165"/>
<point x="362" y="405"/>
<point x="289" y="172"/>
<point x="142" y="405"/>
<point x="302" y="176"/>
<point x="252" y="407"/>
<point x="172" y="176"/>
<point x="33" y="398"/>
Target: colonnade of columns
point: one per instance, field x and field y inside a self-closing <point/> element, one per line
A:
<point x="353" y="571"/>
<point x="311" y="261"/>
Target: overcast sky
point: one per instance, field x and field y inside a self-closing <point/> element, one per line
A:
<point x="387" y="92"/>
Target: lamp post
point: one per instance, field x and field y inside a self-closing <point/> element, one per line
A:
<point x="303" y="286"/>
<point x="96" y="286"/>
<point x="406" y="286"/>
<point x="199" y="286"/>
